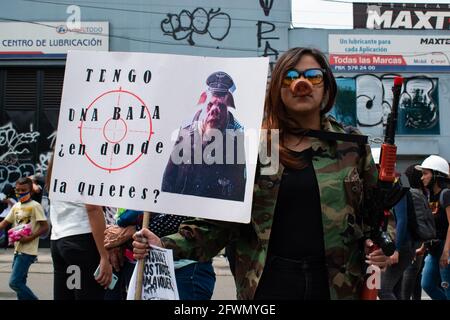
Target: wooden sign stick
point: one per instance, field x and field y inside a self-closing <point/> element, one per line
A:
<point x="141" y="263"/>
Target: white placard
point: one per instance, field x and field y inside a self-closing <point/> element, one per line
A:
<point x="119" y="120"/>
<point x="159" y="281"/>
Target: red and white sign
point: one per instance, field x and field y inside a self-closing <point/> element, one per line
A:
<point x="343" y="59"/>
<point x="389" y="53"/>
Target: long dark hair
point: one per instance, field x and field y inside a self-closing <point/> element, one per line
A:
<point x="441" y="179"/>
<point x="276" y="115"/>
<point x="414" y="177"/>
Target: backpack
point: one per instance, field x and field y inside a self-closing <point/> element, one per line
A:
<point x="441" y="197"/>
<point x="420" y="217"/>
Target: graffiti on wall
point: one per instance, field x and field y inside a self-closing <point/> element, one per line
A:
<point x="44" y="157"/>
<point x="265" y="28"/>
<point x="418" y="108"/>
<point x="365" y="101"/>
<point x="15" y="145"/>
<point x="184" y="25"/>
<point x="189" y="25"/>
<point x="344" y="106"/>
<point x="16" y="154"/>
<point x="266" y="5"/>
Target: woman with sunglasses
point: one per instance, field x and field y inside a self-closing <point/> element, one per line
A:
<point x="305" y="240"/>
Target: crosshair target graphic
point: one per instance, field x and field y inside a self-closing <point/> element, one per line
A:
<point x="115" y="127"/>
<point x="116" y="130"/>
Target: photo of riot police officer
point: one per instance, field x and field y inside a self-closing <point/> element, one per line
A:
<point x="208" y="158"/>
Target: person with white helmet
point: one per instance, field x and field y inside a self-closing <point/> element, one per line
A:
<point x="403" y="256"/>
<point x="436" y="272"/>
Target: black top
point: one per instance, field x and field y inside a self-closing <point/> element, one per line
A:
<point x="37" y="196"/>
<point x="297" y="230"/>
<point x="440" y="215"/>
<point x="165" y="224"/>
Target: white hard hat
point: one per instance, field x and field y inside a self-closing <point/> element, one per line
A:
<point x="376" y="152"/>
<point x="435" y="163"/>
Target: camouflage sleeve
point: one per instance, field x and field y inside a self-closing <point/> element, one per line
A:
<point x="367" y="168"/>
<point x="370" y="178"/>
<point x="200" y="239"/>
<point x="369" y="175"/>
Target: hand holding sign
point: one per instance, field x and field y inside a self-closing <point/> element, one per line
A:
<point x="158" y="278"/>
<point x="142" y="242"/>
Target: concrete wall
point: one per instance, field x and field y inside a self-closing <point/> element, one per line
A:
<point x="219" y="28"/>
<point x="210" y="28"/>
<point x="231" y="28"/>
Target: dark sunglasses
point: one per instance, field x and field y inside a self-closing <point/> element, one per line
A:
<point x="314" y="76"/>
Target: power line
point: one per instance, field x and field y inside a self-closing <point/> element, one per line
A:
<point x="140" y="11"/>
<point x="142" y="40"/>
<point x="347" y="13"/>
<point x="166" y="13"/>
<point x="403" y="5"/>
<point x="111" y="35"/>
<point x="185" y="5"/>
<point x="291" y="23"/>
<point x="406" y="53"/>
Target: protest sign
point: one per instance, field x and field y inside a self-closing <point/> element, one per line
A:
<point x="159" y="281"/>
<point x="160" y="133"/>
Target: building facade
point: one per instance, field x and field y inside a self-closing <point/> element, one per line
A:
<point x="35" y="37"/>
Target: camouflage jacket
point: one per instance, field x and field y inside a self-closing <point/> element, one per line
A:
<point x="343" y="171"/>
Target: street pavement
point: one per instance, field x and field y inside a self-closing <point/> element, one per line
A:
<point x="40" y="277"/>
